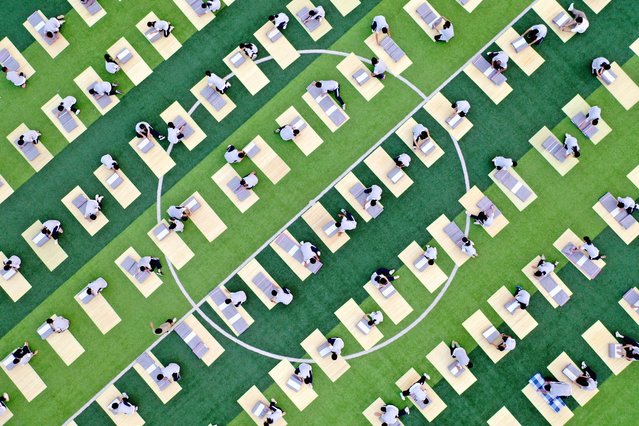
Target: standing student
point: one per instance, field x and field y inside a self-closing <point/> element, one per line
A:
<point x="163" y="328"/>
<point x="336" y="345"/>
<point x="503" y="163"/>
<point x="374" y="196"/>
<point x="447" y="32"/>
<point x="250" y="50"/>
<point x="331" y="87"/>
<point x="236" y="298"/>
<point x="280" y="20"/>
<point x="213" y="80"/>
<point x="68" y="104"/>
<point x="108" y="162"/>
<point x="579" y="24"/>
<point x="402" y="160"/>
<point x="498" y="60"/>
<point x="430" y="254"/>
<point x="104" y="88"/>
<point x="305" y="373"/>
<point x="535" y="34"/>
<point x="522" y="297"/>
<point x="18" y="78"/>
<point x="151" y="264"/>
<point x="571" y="145"/>
<point x="283" y="296"/>
<point x="380" y="25"/>
<point x="460" y="355"/>
<point x="591" y="250"/>
<point x="249" y="181"/>
<point x="468" y="248"/>
<point x="145" y="130"/>
<point x="174" y="134"/>
<point x="599" y="65"/>
<point x="13" y="262"/>
<point x="318" y="13"/>
<point x="52" y="27"/>
<point x="160" y="26"/>
<point x="110" y="64"/>
<point x="233" y="155"/>
<point x="420" y="135"/>
<point x="379" y="68"/>
<point x="171" y="372"/>
<point x="179" y="213"/>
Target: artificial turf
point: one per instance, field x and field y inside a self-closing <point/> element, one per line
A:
<point x="209" y="394"/>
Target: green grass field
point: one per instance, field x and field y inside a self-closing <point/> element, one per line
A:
<point x="209" y="394"/>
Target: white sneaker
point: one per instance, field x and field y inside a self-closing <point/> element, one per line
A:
<point x="401" y="395"/>
<point x="617" y="334"/>
<point x="427" y="376"/>
<point x="344" y="107"/>
<point x="77" y="112"/>
<point x="571" y="7"/>
<point x="583" y="365"/>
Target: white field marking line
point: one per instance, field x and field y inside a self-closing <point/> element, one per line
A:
<point x="196" y="307"/>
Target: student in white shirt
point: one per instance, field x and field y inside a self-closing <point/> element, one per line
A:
<point x="249" y="181"/>
<point x="52" y="229"/>
<point x="310" y="253"/>
<point x="211" y="6"/>
<point x="579" y="24"/>
<point x="145" y="130"/>
<point x="522" y="297"/>
<point x="150" y="264"/>
<point x="484" y="218"/>
<point x="571" y="146"/>
<point x="160" y="26"/>
<point x="402" y="160"/>
<point x="174" y="134"/>
<point x="104" y="88"/>
<point x="280" y="20"/>
<point x="59" y="324"/>
<point x="630" y="347"/>
<point x="68" y="104"/>
<point x="588" y="378"/>
<point x="93" y="207"/>
<point x="331" y="87"/>
<point x="503" y="163"/>
<point x="283" y="296"/>
<point x="109" y="162"/>
<point x="591" y="250"/>
<point x="544" y="267"/>
<point x="318" y="13"/>
<point x="461" y="108"/>
<point x="379" y="68"/>
<point x="417" y="391"/>
<point x="30" y="136"/>
<point x="111" y="66"/>
<point x="374" y="196"/>
<point x="19" y="79"/>
<point x="12" y="262"/>
<point x="176" y="225"/>
<point x="498" y="60"/>
<point x="599" y="65"/>
<point x="52" y="26"/>
<point x="94" y="288"/>
<point x="4" y="398"/>
<point x="249" y="50"/>
<point x="556" y="388"/>
<point x="507" y="343"/>
<point x="219" y="83"/>
<point x="535" y="34"/>
<point x="380" y="25"/>
<point x="336" y="345"/>
<point x="430" y="254"/>
<point x="390" y="414"/>
<point x="170" y="372"/>
<point x="627" y="203"/>
<point x="233" y="155"/>
<point x="593" y="116"/>
<point x="275" y="413"/>
<point x="348" y="222"/>
<point x="375" y="318"/>
<point x="287" y="132"/>
<point x="163" y="328"/>
<point x="420" y="135"/>
<point x="305" y="373"/>
<point x="179" y="213"/>
<point x="236" y="298"/>
<point x="460" y="355"/>
<point x="123" y="405"/>
<point x="447" y="32"/>
<point x="468" y="247"/>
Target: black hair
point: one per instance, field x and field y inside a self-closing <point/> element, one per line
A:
<point x="93" y="216"/>
<point x="470" y="364"/>
<point x="595" y="122"/>
<point x="7" y="266"/>
<point x="431" y="261"/>
<point x="171" y="125"/>
<point x="582" y="381"/>
<point x="373" y="203"/>
<point x="579" y="19"/>
<point x="606" y="66"/>
<point x="271" y="18"/>
<point x="159" y="377"/>
<point x="208" y="73"/>
<point x="514" y="164"/>
<point x="116" y="166"/>
<point x="374" y="60"/>
<point x="49" y="321"/>
<point x="447" y="24"/>
<point x="577" y="153"/>
<point x="313" y="261"/>
<point x="115" y="406"/>
<point x="296" y="132"/>
<point x="385" y="30"/>
<point x="150" y="24"/>
<point x="49" y="34"/>
<point x="318" y="84"/>
<point x="333" y="356"/>
<point x="538" y="273"/>
<point x="587" y="240"/>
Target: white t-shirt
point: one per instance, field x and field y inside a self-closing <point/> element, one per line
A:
<point x="328" y="85"/>
<point x="337" y="346"/>
<point x="542" y="30"/>
<point x="546" y="267"/>
<point x="111" y="67"/>
<point x="68" y="102"/>
<point x="92" y="207"/>
<point x="108" y="161"/>
<point x="447" y="33"/>
<point x="627" y="202"/>
<point x="238" y="297"/>
<point x="390" y="415"/>
<point x="320" y="13"/>
<point x="430" y="253"/>
<point x="305" y="370"/>
<point x="571" y="142"/>
<point x="404" y="159"/>
<point x="375" y="194"/>
<point x="380" y="67"/>
<point x="417" y="393"/>
<point x="52" y="25"/>
<point x="581" y="28"/>
<point x="594" y="113"/>
<point x="232" y="156"/>
<point x="502" y="58"/>
<point x="523" y="297"/>
<point x="172" y="135"/>
<point x="30" y="136"/>
<point x="212" y="5"/>
<point x="176" y="211"/>
<point x="377" y="317"/>
<point x="503" y="162"/>
<point x="510" y="344"/>
<point x="599" y="62"/>
<point x="380" y="22"/>
<point x="281" y="18"/>
<point x="15" y="261"/>
<point x="102" y="87"/>
<point x="60" y="324"/>
<point x="283" y="297"/>
<point x="348" y="224"/>
<point x="307" y="251"/>
<point x="417" y="130"/>
<point x="287" y="133"/>
<point x="463" y="106"/>
<point x="469" y="249"/>
<point x="170" y="369"/>
<point x="250" y="180"/>
<point x="16" y="78"/>
<point x="97" y="285"/>
<point x="590" y="249"/>
<point x="161" y="25"/>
